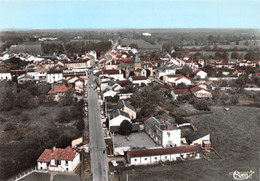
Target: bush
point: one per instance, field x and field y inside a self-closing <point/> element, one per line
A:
<point x="125" y="128"/>
<point x="64" y="116"/>
<point x="9" y="127"/>
<point x="201" y="105"/>
<point x="81" y="124"/>
<point x="25" y="117"/>
<point x="23" y="99"/>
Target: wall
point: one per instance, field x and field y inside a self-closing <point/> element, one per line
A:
<point x="171" y="135"/>
<point x="42" y="166"/>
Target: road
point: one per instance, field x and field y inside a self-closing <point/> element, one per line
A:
<point x="98" y="155"/>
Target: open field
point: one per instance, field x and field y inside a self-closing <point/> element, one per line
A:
<point x="234" y="135"/>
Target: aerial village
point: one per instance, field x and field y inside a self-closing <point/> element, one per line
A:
<point x="135" y="132"/>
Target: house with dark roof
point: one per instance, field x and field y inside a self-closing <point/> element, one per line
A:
<point x="54" y="75"/>
<point x="116" y="118"/>
<point x="197" y="137"/>
<point x="126" y="107"/>
<point x="58" y="159"/>
<point x="155" y="156"/>
<point x="164" y="132"/>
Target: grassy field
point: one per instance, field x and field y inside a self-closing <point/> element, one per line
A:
<point x="234" y="135"/>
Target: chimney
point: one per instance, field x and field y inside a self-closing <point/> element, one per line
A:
<point x="53" y="149"/>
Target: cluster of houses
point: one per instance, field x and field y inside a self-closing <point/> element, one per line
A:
<point x="114" y="71"/>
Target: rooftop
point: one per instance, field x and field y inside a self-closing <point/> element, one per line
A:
<point x="164" y="151"/>
<point x="57" y="154"/>
<point x="140" y="139"/>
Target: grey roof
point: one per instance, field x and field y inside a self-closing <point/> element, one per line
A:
<point x="123" y="103"/>
<point x="196" y="135"/>
<point x="124" y="65"/>
<point x="118" y="112"/>
<point x="166" y="122"/>
<point x="137" y="59"/>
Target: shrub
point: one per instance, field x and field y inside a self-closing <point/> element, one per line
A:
<point x="9" y="127"/>
<point x="25" y="117"/>
<point x="81" y="124"/>
<point x="125" y="128"/>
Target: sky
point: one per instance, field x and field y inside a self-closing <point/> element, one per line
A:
<point x="116" y="14"/>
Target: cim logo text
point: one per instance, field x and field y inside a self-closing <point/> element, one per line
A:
<point x="242" y="175"/>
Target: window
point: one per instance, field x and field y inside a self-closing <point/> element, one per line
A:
<point x="67" y="162"/>
<point x="165" y="156"/>
<point x="67" y="169"/>
<point x="145" y="159"/>
<point x="155" y="158"/>
<point x="135" y="159"/>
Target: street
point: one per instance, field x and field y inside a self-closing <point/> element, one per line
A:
<point x="98" y="155"/>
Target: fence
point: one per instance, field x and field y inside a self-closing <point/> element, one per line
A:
<point x="24" y="174"/>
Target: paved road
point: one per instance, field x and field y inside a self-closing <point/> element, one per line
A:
<point x="99" y="164"/>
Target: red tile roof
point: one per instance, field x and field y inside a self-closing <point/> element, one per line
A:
<point x="181" y="91"/>
<point x="182" y="77"/>
<point x="124" y="82"/>
<point x="163" y="151"/>
<point x="109" y="72"/>
<point x="138" y="77"/>
<point x="176" y="75"/>
<point x="57" y="154"/>
<point x="60" y="89"/>
<point x="196" y="89"/>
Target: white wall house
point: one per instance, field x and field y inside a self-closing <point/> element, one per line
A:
<point x="109" y="93"/>
<point x="200" y="92"/>
<point x="5" y="75"/>
<point x="183" y="80"/>
<point x="54" y="76"/>
<point x="116" y="118"/>
<point x="200" y="74"/>
<point x="58" y="159"/>
<point x="138" y="80"/>
<point x="162" y="71"/>
<point x="164" y="133"/>
<point x="154" y="156"/>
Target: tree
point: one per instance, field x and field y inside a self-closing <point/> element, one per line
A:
<point x="181" y="86"/>
<point x="80" y="124"/>
<point x="67" y="99"/>
<point x="23" y="99"/>
<point x="235" y="55"/>
<point x="125" y="128"/>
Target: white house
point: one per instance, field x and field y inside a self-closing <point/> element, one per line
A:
<point x="154" y="156"/>
<point x="163" y="132"/>
<point x="54" y="76"/>
<point x="200" y="92"/>
<point x="183" y="79"/>
<point x="162" y="71"/>
<point x="111" y="73"/>
<point x="4" y="56"/>
<point x="25" y="78"/>
<point x="58" y="159"/>
<point x="116" y="118"/>
<point x="138" y="80"/>
<point x="108" y="93"/>
<point x="5" y="75"/>
<point x="200" y="74"/>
